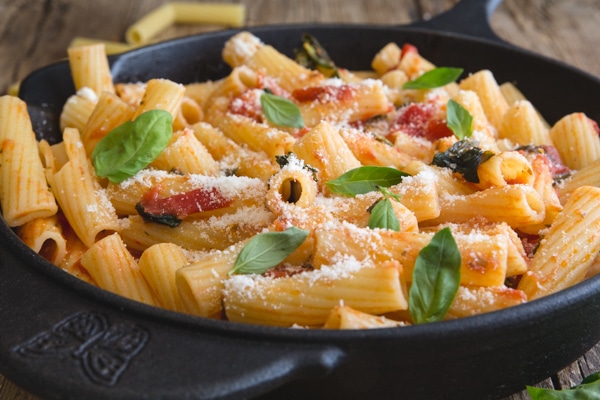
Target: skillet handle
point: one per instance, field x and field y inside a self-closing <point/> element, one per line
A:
<point x="467" y="17"/>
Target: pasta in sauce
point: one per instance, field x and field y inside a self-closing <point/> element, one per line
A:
<point x="524" y="216"/>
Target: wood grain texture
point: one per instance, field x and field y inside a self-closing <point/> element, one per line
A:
<point x="34" y="33"/>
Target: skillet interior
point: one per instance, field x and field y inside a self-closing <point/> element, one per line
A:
<point x="498" y="352"/>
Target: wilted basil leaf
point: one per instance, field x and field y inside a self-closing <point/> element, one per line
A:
<point x="436" y="278"/>
<point x="365" y="179"/>
<point x="130" y="147"/>
<point x="163" y="219"/>
<point x="314" y="56"/>
<point x="284" y="160"/>
<point x="267" y="250"/>
<point x="434" y="78"/>
<point x="281" y="111"/>
<point x="383" y="216"/>
<point x="463" y="157"/>
<point x="459" y="120"/>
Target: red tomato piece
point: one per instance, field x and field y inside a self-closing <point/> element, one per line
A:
<point x="408" y="48"/>
<point x="324" y="94"/>
<point x="419" y="120"/>
<point x="183" y="204"/>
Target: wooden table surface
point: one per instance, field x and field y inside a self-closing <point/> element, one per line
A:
<point x="34" y="33"/>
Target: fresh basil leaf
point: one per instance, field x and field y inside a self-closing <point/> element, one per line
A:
<point x="434" y="78"/>
<point x="383" y="216"/>
<point x="589" y="389"/>
<point x="130" y="147"/>
<point x="593" y="378"/>
<point x="436" y="278"/>
<point x="459" y="120"/>
<point x="365" y="179"/>
<point x="281" y="111"/>
<point x="267" y="250"/>
<point x="464" y="158"/>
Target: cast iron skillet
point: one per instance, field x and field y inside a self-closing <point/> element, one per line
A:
<point x="62" y="338"/>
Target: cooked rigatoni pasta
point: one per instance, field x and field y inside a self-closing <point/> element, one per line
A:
<point x="586" y="176"/>
<point x="484" y="254"/>
<point x="109" y="112"/>
<point x="305" y="195"/>
<point x="188" y="114"/>
<point x="234" y="156"/>
<point x="24" y="192"/>
<point x="290" y="74"/>
<point x="518" y="205"/>
<point x="90" y="69"/>
<point x="215" y="232"/>
<point x="200" y="283"/>
<point x="506" y="168"/>
<point x="345" y="103"/>
<point x="522" y="124"/>
<point x="371" y="289"/>
<point x="187" y="155"/>
<point x="215" y="195"/>
<point x="159" y="264"/>
<point x="568" y="248"/>
<point x="161" y="94"/>
<point x="512" y="94"/>
<point x="114" y="269"/>
<point x="80" y="196"/>
<point x="576" y="139"/>
<point x="478" y="300"/>
<point x="324" y="149"/>
<point x="77" y="109"/>
<point x="492" y="100"/>
<point x="292" y="184"/>
<point x="257" y="136"/>
<point x="344" y="317"/>
<point x="484" y="132"/>
<point x="370" y="151"/>
<point x="387" y="58"/>
<point x="45" y="237"/>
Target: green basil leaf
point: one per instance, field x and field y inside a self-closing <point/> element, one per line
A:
<point x="365" y="179"/>
<point x="436" y="278"/>
<point x="130" y="147"/>
<point x="459" y="120"/>
<point x="383" y="216"/>
<point x="589" y="389"/>
<point x="267" y="250"/>
<point x="434" y="78"/>
<point x="281" y="111"/>
<point x="593" y="378"/>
